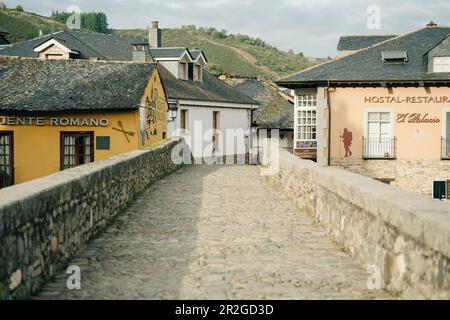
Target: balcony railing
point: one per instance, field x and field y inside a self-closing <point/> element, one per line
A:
<point x="445" y="149"/>
<point x="379" y="148"/>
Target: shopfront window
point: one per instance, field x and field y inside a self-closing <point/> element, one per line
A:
<point x="6" y="159"/>
<point x="379" y="141"/>
<point x="77" y="148"/>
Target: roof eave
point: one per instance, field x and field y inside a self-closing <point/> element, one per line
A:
<point x="358" y="83"/>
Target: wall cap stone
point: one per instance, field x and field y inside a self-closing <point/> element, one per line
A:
<point x="422" y="218"/>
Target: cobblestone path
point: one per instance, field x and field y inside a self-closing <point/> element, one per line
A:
<point x="213" y="232"/>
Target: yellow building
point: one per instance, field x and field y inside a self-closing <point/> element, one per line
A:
<point x="56" y="115"/>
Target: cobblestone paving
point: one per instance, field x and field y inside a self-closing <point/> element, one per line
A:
<point x="213" y="232"/>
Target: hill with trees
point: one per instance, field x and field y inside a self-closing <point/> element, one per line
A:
<point x="232" y="54"/>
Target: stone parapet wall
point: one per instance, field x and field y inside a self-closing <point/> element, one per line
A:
<point x="43" y="223"/>
<point x="402" y="236"/>
<point x="411" y="175"/>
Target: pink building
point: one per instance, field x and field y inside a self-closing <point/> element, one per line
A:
<point x="381" y="111"/>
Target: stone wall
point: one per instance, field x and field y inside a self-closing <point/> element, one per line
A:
<point x="411" y="175"/>
<point x="43" y="223"/>
<point x="403" y="236"/>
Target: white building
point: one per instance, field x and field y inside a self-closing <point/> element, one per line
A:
<point x="213" y="117"/>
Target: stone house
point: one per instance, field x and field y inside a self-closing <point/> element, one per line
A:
<point x="207" y="106"/>
<point x="56" y="115"/>
<point x="382" y="111"/>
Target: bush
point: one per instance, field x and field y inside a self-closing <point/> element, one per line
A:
<point x="19" y="8"/>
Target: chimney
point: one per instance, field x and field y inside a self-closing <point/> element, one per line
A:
<point x="140" y="52"/>
<point x="155" y="35"/>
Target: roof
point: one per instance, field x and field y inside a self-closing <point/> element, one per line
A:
<point x="89" y="44"/>
<point x="33" y="85"/>
<point x="367" y="66"/>
<point x="350" y="43"/>
<point x="210" y="89"/>
<point x="161" y="53"/>
<point x="3" y="40"/>
<point x="274" y="112"/>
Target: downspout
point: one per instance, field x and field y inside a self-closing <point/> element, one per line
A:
<point x="329" y="123"/>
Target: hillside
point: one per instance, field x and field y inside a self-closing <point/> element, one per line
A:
<point x="24" y="25"/>
<point x="232" y="55"/>
<point x="227" y="53"/>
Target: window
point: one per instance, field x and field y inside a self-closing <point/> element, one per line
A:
<point x="379" y="141"/>
<point x="215" y="137"/>
<point x="379" y="125"/>
<point x="441" y="64"/>
<point x="394" y="56"/>
<point x="183" y="116"/>
<point x="6" y="159"/>
<point x="54" y="56"/>
<point x="198" y="72"/>
<point x="183" y="72"/>
<point x="306" y="117"/>
<point x="307" y="125"/>
<point x="307" y="100"/>
<point x="191" y="71"/>
<point x="77" y="148"/>
<point x="446" y="139"/>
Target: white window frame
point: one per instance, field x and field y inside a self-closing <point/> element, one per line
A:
<point x="300" y="107"/>
<point x="441" y="67"/>
<point x="445" y="111"/>
<point x="376" y="110"/>
<point x="366" y="124"/>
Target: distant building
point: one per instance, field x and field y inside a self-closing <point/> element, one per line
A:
<point x="4" y="37"/>
<point x="383" y="111"/>
<point x="56" y="115"/>
<point x="207" y="106"/>
<point x="276" y="108"/>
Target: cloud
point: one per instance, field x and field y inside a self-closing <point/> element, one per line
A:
<point x="309" y="26"/>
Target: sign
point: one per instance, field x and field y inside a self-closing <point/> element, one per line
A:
<point x="411" y="100"/>
<point x="63" y="122"/>
<point x="306" y="145"/>
<point x="416" y="118"/>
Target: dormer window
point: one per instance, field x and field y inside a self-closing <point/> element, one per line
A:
<point x="198" y="73"/>
<point x="191" y="71"/>
<point x="441" y="64"/>
<point x="183" y="70"/>
<point x="394" y="56"/>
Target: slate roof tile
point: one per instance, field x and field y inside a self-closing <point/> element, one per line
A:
<point x="366" y="64"/>
<point x="210" y="89"/>
<point x="33" y="85"/>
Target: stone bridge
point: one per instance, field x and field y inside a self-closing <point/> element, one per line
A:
<point x="141" y="227"/>
<point x="213" y="232"/>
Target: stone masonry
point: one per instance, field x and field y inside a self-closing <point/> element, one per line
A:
<point x="44" y="223"/>
<point x="403" y="236"/>
<point x="412" y="175"/>
<point x="213" y="232"/>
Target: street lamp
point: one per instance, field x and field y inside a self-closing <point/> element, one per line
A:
<point x="173" y="109"/>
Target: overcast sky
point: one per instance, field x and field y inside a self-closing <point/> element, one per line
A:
<point x="309" y="26"/>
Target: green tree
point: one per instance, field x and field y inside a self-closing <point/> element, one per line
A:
<point x="19" y="8"/>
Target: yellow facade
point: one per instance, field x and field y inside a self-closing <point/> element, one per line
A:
<point x="37" y="138"/>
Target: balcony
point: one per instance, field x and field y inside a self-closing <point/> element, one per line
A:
<point x="445" y="154"/>
<point x="379" y="148"/>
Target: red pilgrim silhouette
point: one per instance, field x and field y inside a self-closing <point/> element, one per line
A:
<point x="347" y="138"/>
